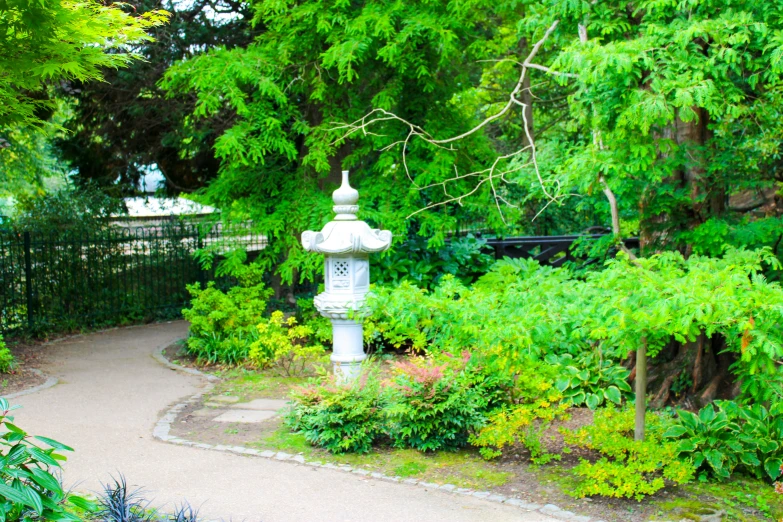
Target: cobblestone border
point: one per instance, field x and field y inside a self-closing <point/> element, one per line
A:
<point x="163" y="428"/>
<point x="51" y="381"/>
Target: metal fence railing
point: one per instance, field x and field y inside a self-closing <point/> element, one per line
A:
<point x="63" y="281"/>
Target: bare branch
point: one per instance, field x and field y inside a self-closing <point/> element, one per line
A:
<point x="492" y="176"/>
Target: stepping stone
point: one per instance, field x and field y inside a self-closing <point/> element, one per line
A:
<point x="227" y="399"/>
<point x="203" y="412"/>
<point x="262" y="404"/>
<point x="249" y="416"/>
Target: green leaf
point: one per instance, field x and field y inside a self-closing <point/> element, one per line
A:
<point x="592" y="400"/>
<point x="613" y="394"/>
<point x="686" y="446"/>
<point x="35" y="499"/>
<point x="772" y="467"/>
<point x="16" y="497"/>
<point x="675" y="431"/>
<point x="46" y="480"/>
<point x="82" y="503"/>
<point x="53" y="443"/>
<point x="42" y="456"/>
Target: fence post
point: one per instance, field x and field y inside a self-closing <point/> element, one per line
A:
<point x="28" y="280"/>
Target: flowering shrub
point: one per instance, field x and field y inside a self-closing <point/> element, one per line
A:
<point x="433" y="406"/>
<point x="284" y="344"/>
<point x="341" y="417"/>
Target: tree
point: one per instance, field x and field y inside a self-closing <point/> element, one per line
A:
<point x="121" y="126"/>
<point x="316" y="64"/>
<point x="44" y="42"/>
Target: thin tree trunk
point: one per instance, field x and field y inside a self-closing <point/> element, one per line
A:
<point x="641" y="390"/>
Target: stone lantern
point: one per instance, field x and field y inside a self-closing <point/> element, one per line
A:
<point x="347" y="244"/>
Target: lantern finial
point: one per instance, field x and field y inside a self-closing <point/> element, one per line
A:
<point x="345" y="199"/>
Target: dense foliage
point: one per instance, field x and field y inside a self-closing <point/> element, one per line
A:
<point x="627" y="468"/>
<point x="521" y="310"/>
<point x="43" y="43"/>
<point x="120" y="128"/>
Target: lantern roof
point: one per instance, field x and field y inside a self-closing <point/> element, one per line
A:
<point x="346" y="234"/>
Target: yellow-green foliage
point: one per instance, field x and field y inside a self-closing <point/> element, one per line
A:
<point x="630" y="469"/>
<point x="522" y="423"/>
<point x="540" y="404"/>
<point x="7" y="362"/>
<point x="284" y="344"/>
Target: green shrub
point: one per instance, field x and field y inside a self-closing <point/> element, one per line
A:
<point x="341" y="417"/>
<point x="520" y="310"/>
<point x="284" y="345"/>
<point x="534" y="404"/>
<point x="719" y="441"/>
<point x="220" y="348"/>
<point x="7" y="361"/>
<point x="629" y="468"/>
<point x="465" y="258"/>
<point x="435" y="406"/>
<point x="222" y="324"/>
<point x="28" y="488"/>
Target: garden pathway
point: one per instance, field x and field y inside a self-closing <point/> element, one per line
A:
<point x="110" y="395"/>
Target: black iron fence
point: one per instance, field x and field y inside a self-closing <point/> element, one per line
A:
<point x="63" y="281"/>
<point x="551" y="250"/>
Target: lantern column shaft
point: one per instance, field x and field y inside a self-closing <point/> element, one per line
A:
<point x="348" y="348"/>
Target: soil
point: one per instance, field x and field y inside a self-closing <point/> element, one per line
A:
<point x="29" y="356"/>
<point x="538" y="484"/>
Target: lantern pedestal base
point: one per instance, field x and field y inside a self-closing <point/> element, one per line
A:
<point x="347" y="349"/>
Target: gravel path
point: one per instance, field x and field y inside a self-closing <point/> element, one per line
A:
<point x="110" y="394"/>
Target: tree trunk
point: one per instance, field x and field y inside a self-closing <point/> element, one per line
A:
<point x="641" y="390"/>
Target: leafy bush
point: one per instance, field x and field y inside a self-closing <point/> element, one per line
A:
<point x="465" y="258"/>
<point x="629" y="468"/>
<point x="222" y="324"/>
<point x="590" y="380"/>
<point x="284" y="344"/>
<point x="7" y="361"/>
<point x="749" y="437"/>
<point x="28" y="488"/>
<point x="520" y="310"/>
<point x="341" y="417"/>
<point x="309" y="316"/>
<point x="435" y="406"/>
<point x="535" y="403"/>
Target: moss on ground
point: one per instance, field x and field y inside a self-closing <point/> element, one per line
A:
<point x="254" y="384"/>
<point x="464" y="468"/>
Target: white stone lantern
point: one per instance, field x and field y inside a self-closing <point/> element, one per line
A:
<point x="347" y="244"/>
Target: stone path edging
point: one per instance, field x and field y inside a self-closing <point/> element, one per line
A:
<point x="51" y="381"/>
<point x="163" y="428"/>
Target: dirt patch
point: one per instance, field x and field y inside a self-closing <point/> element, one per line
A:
<point x="29" y="356"/>
<point x="196" y="423"/>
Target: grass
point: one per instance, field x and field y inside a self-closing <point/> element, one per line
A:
<point x="253" y="384"/>
<point x="464" y="468"/>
